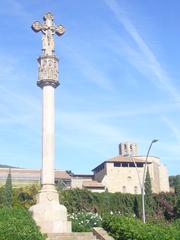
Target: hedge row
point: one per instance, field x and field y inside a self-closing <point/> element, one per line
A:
<point x="17" y="224"/>
<point x="162" y="206"/>
<point x="125" y="228"/>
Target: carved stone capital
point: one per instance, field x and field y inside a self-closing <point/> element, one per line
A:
<point x="48" y="71"/>
<point x="48" y="82"/>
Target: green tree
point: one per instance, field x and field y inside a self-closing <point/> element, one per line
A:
<point x="172" y="181"/>
<point x="60" y="185"/>
<point x="177" y="208"/>
<point x="136" y="207"/>
<point x="7" y="195"/>
<point x="148" y="195"/>
<point x="148" y="186"/>
<point x="177" y="185"/>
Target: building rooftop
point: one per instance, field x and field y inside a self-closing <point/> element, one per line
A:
<point x="62" y="174"/>
<point x="22" y="172"/>
<point x="93" y="184"/>
<point x="82" y="176"/>
<point x="120" y="158"/>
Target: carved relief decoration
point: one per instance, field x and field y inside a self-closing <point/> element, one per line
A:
<point x="48" y="69"/>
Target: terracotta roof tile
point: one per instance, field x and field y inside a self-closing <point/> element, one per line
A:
<point x="92" y="184"/>
<point x="22" y="172"/>
<point x="121" y="158"/>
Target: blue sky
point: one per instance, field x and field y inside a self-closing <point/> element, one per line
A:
<point x="119" y="73"/>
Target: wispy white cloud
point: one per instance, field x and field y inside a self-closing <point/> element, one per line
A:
<point x="87" y="133"/>
<point x="174" y="130"/>
<point x="86" y="67"/>
<point x="135" y="110"/>
<point x="14" y="8"/>
<point x="88" y="125"/>
<point x="144" y="58"/>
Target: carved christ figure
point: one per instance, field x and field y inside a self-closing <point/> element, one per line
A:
<point x="48" y="29"/>
<point x="47" y="42"/>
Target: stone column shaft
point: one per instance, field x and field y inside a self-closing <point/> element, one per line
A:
<point x="48" y="138"/>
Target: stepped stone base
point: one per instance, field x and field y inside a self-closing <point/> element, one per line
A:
<point x="48" y="214"/>
<point x="98" y="233"/>
<point x="72" y="236"/>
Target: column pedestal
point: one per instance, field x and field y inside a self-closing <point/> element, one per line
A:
<point x="48" y="214"/>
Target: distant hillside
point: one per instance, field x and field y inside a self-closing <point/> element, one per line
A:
<point x="6" y="166"/>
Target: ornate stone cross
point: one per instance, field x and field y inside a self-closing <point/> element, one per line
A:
<point x="48" y="29"/>
<point x="47" y="212"/>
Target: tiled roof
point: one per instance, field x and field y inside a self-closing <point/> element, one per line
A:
<point x="22" y="172"/>
<point x="127" y="159"/>
<point x="62" y="174"/>
<point x="92" y="184"/>
<point x="121" y="158"/>
<point x="90" y="176"/>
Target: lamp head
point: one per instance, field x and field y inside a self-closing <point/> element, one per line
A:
<point x="154" y="140"/>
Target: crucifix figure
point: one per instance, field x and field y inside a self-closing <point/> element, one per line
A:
<point x="48" y="29"/>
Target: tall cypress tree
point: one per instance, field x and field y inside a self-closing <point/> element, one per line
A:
<point x="136" y="207"/>
<point x="7" y="191"/>
<point x="148" y="186"/>
<point x="177" y="185"/>
<point x="148" y="195"/>
<point x="177" y="209"/>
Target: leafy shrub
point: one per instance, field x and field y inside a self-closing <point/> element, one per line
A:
<point x="125" y="228"/>
<point x="163" y="206"/>
<point x="84" y="221"/>
<point x="17" y="224"/>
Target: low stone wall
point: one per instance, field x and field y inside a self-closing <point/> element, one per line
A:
<point x="100" y="234"/>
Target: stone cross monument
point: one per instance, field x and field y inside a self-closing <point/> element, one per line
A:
<point x="48" y="213"/>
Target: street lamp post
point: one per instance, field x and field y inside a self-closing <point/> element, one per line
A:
<point x="142" y="183"/>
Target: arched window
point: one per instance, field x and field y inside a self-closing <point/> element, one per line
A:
<point x="124" y="189"/>
<point x="136" y="190"/>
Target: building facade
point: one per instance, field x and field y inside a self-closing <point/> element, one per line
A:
<point x="23" y="176"/>
<point x="117" y="174"/>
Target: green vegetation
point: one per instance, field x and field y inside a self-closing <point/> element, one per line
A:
<point x="148" y="187"/>
<point x="87" y="208"/>
<point x="164" y="206"/>
<point x="148" y="194"/>
<point x="17" y="224"/>
<point x="125" y="228"/>
<point x="177" y="185"/>
<point x="174" y="182"/>
<point x="7" y="192"/>
<point x="84" y="221"/>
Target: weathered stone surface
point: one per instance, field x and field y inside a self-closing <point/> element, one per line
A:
<point x="48" y="29"/>
<point x="100" y="234"/>
<point x="72" y="236"/>
<point x="97" y="234"/>
<point x="49" y="215"/>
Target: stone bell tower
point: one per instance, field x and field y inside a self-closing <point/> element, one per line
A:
<point x="48" y="213"/>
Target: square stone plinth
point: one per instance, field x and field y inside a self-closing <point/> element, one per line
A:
<point x="49" y="215"/>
